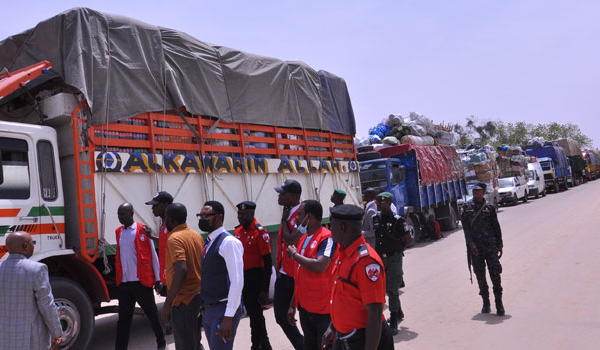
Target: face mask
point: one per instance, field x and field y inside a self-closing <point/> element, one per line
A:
<point x="204" y="225"/>
<point x="303" y="228"/>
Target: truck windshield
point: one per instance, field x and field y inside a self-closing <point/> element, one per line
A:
<point x="507" y="182"/>
<point x="374" y="174"/>
<point x="545" y="166"/>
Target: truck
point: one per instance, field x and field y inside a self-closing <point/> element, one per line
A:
<point x="424" y="180"/>
<point x="555" y="165"/>
<point x="592" y="163"/>
<point x="71" y="154"/>
<point x="576" y="161"/>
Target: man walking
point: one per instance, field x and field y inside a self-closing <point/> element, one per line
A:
<point x="289" y="198"/>
<point x="137" y="272"/>
<point x="257" y="271"/>
<point x="484" y="245"/>
<point x="370" y="212"/>
<point x="391" y="236"/>
<point x="183" y="275"/>
<point x="159" y="204"/>
<point x="358" y="294"/>
<point x="223" y="266"/>
<point x="28" y="316"/>
<point x="314" y="279"/>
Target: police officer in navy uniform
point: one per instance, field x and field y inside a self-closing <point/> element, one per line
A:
<point x="484" y="244"/>
<point x="391" y="237"/>
<point x="257" y="271"/>
<point x="358" y="293"/>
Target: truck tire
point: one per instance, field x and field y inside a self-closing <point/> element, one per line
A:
<point x="450" y="223"/>
<point x="525" y="198"/>
<point x="416" y="232"/>
<point x="556" y="187"/>
<point x="368" y="156"/>
<point x="75" y="312"/>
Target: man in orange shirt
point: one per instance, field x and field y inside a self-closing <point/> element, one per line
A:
<point x="183" y="273"/>
<point x="358" y="292"/>
<point x="257" y="271"/>
<point x="159" y="204"/>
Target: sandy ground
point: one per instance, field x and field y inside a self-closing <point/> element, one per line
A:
<point x="551" y="280"/>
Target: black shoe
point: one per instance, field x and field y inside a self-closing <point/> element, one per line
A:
<point x="402" y="285"/>
<point x="486" y="307"/>
<point x="265" y="345"/>
<point x="393" y="323"/>
<point x="499" y="308"/>
<point x="168" y="330"/>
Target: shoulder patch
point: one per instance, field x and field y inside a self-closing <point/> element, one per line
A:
<point x="142" y="237"/>
<point x="363" y="250"/>
<point x="373" y="271"/>
<point x="266" y="237"/>
<point x="259" y="227"/>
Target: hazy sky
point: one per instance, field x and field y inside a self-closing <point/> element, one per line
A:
<point x="537" y="61"/>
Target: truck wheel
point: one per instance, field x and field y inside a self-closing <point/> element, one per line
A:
<point x="525" y="198"/>
<point x="75" y="312"/>
<point x="415" y="234"/>
<point x="449" y="223"/>
<point x="556" y="187"/>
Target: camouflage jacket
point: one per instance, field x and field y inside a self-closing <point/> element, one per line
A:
<point x="485" y="231"/>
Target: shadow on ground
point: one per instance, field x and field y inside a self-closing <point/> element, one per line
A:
<point x="491" y="318"/>
<point x="404" y="334"/>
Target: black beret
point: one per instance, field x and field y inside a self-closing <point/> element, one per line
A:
<point x="246" y="205"/>
<point x="347" y="212"/>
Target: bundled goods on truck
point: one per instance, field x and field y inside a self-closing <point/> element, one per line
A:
<point x="512" y="161"/>
<point x="480" y="164"/>
<point x="415" y="129"/>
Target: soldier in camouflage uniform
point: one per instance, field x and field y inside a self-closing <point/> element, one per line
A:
<point x="484" y="244"/>
<point x="391" y="237"/>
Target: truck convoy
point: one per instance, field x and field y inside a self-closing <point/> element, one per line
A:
<point x="91" y="120"/>
<point x="424" y="180"/>
<point x="555" y="165"/>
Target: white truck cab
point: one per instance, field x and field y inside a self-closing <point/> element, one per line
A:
<point x="536" y="185"/>
<point x="513" y="189"/>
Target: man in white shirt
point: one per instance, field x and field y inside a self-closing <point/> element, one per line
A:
<point x="137" y="272"/>
<point x="223" y="276"/>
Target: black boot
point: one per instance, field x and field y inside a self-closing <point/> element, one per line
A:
<point x="265" y="344"/>
<point x="499" y="308"/>
<point x="394" y="323"/>
<point x="486" y="306"/>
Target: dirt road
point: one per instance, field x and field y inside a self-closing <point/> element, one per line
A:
<point x="551" y="280"/>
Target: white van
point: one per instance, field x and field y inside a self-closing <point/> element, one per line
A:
<point x="513" y="189"/>
<point x="536" y="184"/>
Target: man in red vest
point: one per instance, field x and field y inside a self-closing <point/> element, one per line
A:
<point x="289" y="198"/>
<point x="312" y="292"/>
<point x="137" y="272"/>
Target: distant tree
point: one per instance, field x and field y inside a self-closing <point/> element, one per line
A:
<point x="464" y="136"/>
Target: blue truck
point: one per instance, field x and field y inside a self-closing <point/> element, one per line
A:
<point x="424" y="180"/>
<point x="555" y="166"/>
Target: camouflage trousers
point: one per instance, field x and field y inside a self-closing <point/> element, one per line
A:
<point x="495" y="269"/>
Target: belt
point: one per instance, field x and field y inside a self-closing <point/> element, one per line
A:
<point x="215" y="303"/>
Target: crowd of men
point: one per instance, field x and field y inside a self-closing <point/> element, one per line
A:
<point x="333" y="279"/>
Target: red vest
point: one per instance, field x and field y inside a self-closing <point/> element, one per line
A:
<point x="162" y="252"/>
<point x="313" y="290"/>
<point x="143" y="251"/>
<point x="283" y="261"/>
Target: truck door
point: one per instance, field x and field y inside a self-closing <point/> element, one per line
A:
<point x="51" y="209"/>
<point x="19" y="199"/>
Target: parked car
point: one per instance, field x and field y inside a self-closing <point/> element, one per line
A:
<point x="513" y="189"/>
<point x="536" y="185"/>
